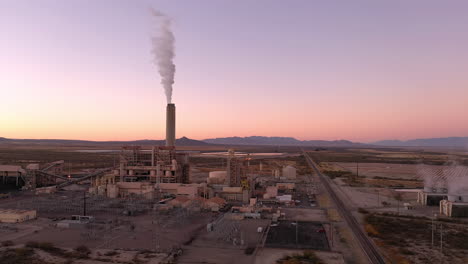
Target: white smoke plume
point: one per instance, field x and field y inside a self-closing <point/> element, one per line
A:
<point x="163" y="51"/>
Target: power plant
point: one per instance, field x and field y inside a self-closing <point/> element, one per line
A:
<point x="147" y="169"/>
<point x="232" y="197"/>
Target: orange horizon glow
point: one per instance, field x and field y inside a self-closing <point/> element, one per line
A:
<point x="366" y="73"/>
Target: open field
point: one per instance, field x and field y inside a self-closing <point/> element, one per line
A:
<point x="390" y="155"/>
<point x="151" y="235"/>
<point x="409" y="239"/>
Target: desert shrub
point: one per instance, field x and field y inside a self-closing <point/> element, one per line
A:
<point x="335" y="174"/>
<point x="362" y="210"/>
<point x="308" y="257"/>
<point x="371" y="230"/>
<point x="19" y="256"/>
<point x="7" y="243"/>
<point x="82" y="252"/>
<point x="83" y="249"/>
<point x="49" y="248"/>
<point x="103" y="259"/>
<point x="249" y="250"/>
<point x="405" y="251"/>
<point x="111" y="253"/>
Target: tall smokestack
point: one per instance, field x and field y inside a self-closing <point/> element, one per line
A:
<point x="170" y="125"/>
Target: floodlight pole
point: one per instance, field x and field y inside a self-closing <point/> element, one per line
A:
<point x="432" y="218"/>
<point x="84" y="203"/>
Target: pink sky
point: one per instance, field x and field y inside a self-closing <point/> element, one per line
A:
<point x="305" y="69"/>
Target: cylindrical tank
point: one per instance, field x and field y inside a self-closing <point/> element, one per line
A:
<point x="112" y="191"/>
<point x="289" y="172"/>
<point x="452" y="197"/>
<point x="217" y="177"/>
<point x="464" y="198"/>
<point x="170" y="125"/>
<point x="174" y="164"/>
<point x="217" y="174"/>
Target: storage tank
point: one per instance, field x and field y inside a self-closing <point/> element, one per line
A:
<point x="453" y="197"/>
<point x="217" y="177"/>
<point x="428" y="189"/>
<point x="218" y="174"/>
<point x="464" y="198"/>
<point x="112" y="191"/>
<point x="289" y="172"/>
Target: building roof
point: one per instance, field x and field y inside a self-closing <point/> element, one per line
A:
<point x="180" y="199"/>
<point x="199" y="199"/>
<point x="32" y="166"/>
<point x="15" y="211"/>
<point x="451" y="177"/>
<point x="217" y="200"/>
<point x="11" y="168"/>
<point x="441" y="172"/>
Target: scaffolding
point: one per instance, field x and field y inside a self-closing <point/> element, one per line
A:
<point x="161" y="164"/>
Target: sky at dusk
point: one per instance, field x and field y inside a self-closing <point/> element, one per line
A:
<point x="356" y="70"/>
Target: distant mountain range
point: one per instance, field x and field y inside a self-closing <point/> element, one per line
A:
<point x="254" y="140"/>
<point x="426" y="142"/>
<point x="281" y="141"/>
<point x="183" y="141"/>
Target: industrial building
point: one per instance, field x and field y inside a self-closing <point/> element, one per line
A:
<point x="435" y="184"/>
<point x="456" y="204"/>
<point x="158" y="165"/>
<point x="289" y="172"/>
<point x="149" y="172"/>
<point x="16" y="215"/>
<point x="33" y="175"/>
<point x="236" y="170"/>
<point x="233" y="184"/>
<point x="454" y="207"/>
<point x="446" y="187"/>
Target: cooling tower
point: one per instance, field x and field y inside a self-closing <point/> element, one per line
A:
<point x="170" y="125"/>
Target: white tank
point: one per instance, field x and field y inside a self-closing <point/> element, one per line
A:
<point x="464" y="198"/>
<point x="289" y="172"/>
<point x="218" y="175"/>
<point x="453" y="197"/>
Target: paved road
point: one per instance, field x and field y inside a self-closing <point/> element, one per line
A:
<point x="368" y="247"/>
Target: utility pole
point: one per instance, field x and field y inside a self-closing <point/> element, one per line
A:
<point x="441" y="241"/>
<point x="432" y="241"/>
<point x="357" y="169"/>
<point x="296" y="233"/>
<point x="378" y="198"/>
<point x="84" y="203"/>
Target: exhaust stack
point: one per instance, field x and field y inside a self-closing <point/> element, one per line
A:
<point x="170" y="125"/>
